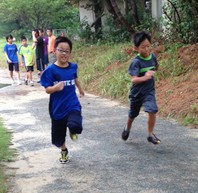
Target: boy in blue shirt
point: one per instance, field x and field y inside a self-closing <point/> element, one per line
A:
<point x="60" y="81"/>
<point x="142" y="92"/>
<point x="10" y="51"/>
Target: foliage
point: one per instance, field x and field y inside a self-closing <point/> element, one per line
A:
<point x="5" y="154"/>
<point x="25" y="15"/>
<point x="181" y="20"/>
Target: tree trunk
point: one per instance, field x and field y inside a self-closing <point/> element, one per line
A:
<point x="120" y="16"/>
<point x="134" y="12"/>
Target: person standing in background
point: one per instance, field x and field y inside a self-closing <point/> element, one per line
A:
<point x="39" y="44"/>
<point x="10" y="51"/>
<point x="45" y="41"/>
<point x="51" y="40"/>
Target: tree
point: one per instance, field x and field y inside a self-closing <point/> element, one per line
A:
<point x="30" y="14"/>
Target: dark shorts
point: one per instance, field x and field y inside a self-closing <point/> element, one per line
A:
<point x="46" y="59"/>
<point x="29" y="68"/>
<point x="73" y="121"/>
<point x="148" y="101"/>
<point x="13" y="67"/>
<point x="40" y="64"/>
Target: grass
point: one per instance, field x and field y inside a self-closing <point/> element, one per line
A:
<point x="5" y="155"/>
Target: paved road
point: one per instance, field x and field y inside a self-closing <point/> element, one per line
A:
<point x="100" y="161"/>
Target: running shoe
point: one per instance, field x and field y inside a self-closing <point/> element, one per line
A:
<point x="31" y="83"/>
<point x="125" y="134"/>
<point x="26" y="82"/>
<point x="73" y="136"/>
<point x="18" y="82"/>
<point x="153" y="139"/>
<point x="64" y="157"/>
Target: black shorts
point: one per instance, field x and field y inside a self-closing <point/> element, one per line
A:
<point x="29" y="68"/>
<point x="40" y="64"/>
<point x="148" y="101"/>
<point x="13" y="67"/>
<point x="73" y="121"/>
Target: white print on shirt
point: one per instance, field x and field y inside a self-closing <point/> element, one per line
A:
<point x="66" y="82"/>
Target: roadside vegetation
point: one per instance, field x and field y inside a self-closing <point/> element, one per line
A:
<point x="6" y="154"/>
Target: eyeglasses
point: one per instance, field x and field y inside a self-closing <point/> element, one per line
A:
<point x="63" y="52"/>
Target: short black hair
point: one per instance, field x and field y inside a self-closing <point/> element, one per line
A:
<point x="36" y="31"/>
<point x="50" y="29"/>
<point x="23" y="38"/>
<point x="9" y="36"/>
<point x="140" y="36"/>
<point x="41" y="30"/>
<point x="61" y="39"/>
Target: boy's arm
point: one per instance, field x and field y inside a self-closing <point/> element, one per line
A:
<point x="148" y="75"/>
<point x="56" y="88"/>
<point x="79" y="87"/>
<point x="34" y="40"/>
<point x="22" y="62"/>
<point x="9" y="61"/>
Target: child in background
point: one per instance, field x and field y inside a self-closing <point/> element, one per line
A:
<point x="10" y="51"/>
<point x="27" y="59"/>
<point x="60" y="80"/>
<point x="142" y="92"/>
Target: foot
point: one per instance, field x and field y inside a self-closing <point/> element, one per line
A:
<point x="73" y="136"/>
<point x="153" y="139"/>
<point x="26" y="82"/>
<point x="18" y="82"/>
<point x="125" y="134"/>
<point x="31" y="83"/>
<point x="38" y="81"/>
<point x="64" y="157"/>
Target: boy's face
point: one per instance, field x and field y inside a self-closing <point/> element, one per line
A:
<point x="63" y="53"/>
<point x="40" y="33"/>
<point x="24" y="42"/>
<point x="10" y="40"/>
<point x="49" y="33"/>
<point x="144" y="49"/>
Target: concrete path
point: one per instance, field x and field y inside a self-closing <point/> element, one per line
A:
<point x="100" y="161"/>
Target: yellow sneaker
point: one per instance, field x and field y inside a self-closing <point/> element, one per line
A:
<point x="73" y="136"/>
<point x="64" y="157"/>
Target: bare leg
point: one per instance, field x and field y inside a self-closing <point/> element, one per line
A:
<point x="151" y="122"/>
<point x="129" y="123"/>
<point x="11" y="75"/>
<point x="125" y="133"/>
<point x="63" y="147"/>
<point x="18" y="75"/>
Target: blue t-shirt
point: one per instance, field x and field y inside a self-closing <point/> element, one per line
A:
<point x="62" y="102"/>
<point x="138" y="67"/>
<point x="11" y="50"/>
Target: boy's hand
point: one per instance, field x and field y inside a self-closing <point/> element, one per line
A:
<point x="9" y="61"/>
<point x="22" y="64"/>
<point x="150" y="74"/>
<point x="81" y="93"/>
<point x="59" y="86"/>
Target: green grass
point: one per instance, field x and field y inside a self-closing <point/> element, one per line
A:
<point x="6" y="155"/>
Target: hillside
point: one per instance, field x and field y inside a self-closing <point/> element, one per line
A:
<point x="178" y="97"/>
<point x="176" y="85"/>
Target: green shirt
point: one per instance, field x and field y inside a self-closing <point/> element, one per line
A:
<point x="28" y="54"/>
